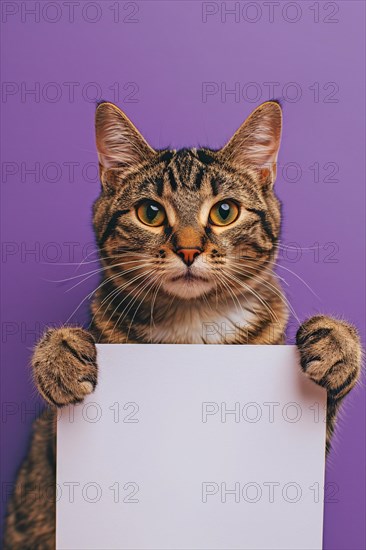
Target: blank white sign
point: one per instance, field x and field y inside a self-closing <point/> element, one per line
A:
<point x="193" y="447"/>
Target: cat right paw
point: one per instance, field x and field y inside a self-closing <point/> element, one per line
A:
<point x="64" y="365"/>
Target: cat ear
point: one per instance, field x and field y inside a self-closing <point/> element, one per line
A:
<point x="119" y="143"/>
<point x="256" y="143"/>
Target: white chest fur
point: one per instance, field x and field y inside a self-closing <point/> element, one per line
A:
<point x="195" y="323"/>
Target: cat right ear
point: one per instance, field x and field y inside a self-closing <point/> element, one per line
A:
<point x="256" y="143"/>
<point x="119" y="143"/>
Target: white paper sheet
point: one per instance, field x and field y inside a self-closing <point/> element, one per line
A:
<point x="193" y="447"/>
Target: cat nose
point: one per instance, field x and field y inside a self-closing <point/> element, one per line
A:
<point x="188" y="255"/>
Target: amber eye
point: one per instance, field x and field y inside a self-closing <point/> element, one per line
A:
<point x="151" y="213"/>
<point x="224" y="213"/>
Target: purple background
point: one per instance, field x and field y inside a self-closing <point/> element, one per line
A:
<point x="168" y="53"/>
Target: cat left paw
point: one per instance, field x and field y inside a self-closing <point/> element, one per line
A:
<point x="330" y="354"/>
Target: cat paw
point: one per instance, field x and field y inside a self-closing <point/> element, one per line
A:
<point x="330" y="354"/>
<point x="64" y="365"/>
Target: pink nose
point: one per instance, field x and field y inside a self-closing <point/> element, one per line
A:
<point x="188" y="255"/>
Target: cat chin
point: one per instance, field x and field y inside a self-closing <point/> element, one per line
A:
<point x="188" y="290"/>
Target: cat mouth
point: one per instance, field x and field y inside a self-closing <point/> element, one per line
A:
<point x="189" y="277"/>
<point x="188" y="285"/>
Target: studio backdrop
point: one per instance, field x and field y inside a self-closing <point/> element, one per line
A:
<point x="187" y="73"/>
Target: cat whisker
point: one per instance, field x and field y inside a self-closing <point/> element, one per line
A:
<point x="117" y="292"/>
<point x="222" y="279"/>
<point x="272" y="289"/>
<point x="142" y="276"/>
<point x="254" y="293"/>
<point x="113" y="293"/>
<point x="95" y="271"/>
<point x="115" y="276"/>
<point x="296" y="248"/>
<point x="129" y="305"/>
<point x="88" y="296"/>
<point x="152" y="323"/>
<point x="247" y="270"/>
<point x="99" y="259"/>
<point x="261" y="270"/>
<point x="156" y="279"/>
<point x="300" y="279"/>
<point x="121" y="251"/>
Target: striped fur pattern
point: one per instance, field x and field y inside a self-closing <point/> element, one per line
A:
<point x="187" y="280"/>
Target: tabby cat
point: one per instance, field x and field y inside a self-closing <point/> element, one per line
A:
<point x="188" y="240"/>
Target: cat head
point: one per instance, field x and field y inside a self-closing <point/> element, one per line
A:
<point x="194" y="219"/>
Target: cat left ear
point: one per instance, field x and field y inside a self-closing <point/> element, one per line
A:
<point x="119" y="143"/>
<point x="256" y="144"/>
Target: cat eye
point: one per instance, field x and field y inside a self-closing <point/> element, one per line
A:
<point x="151" y="213"/>
<point x="224" y="213"/>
